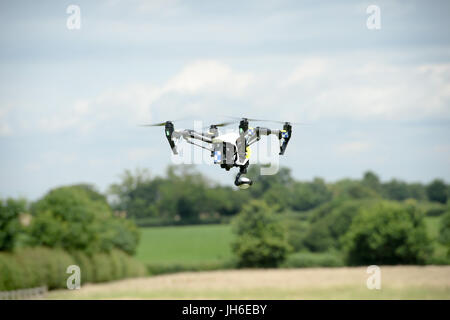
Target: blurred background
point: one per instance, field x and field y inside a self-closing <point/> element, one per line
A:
<point x="364" y="182"/>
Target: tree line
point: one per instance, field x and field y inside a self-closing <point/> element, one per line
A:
<point x="184" y="195"/>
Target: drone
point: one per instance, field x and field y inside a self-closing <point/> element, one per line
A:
<point x="229" y="149"/>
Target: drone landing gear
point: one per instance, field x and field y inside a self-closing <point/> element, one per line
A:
<point x="243" y="182"/>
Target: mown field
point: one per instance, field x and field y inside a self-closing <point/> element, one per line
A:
<point x="397" y="282"/>
<point x="185" y="244"/>
<point x="211" y="243"/>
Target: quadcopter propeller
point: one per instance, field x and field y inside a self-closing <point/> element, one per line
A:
<point x="162" y="124"/>
<point x="264" y="120"/>
<point x="222" y="124"/>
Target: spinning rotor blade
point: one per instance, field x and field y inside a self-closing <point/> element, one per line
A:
<point x="282" y="122"/>
<point x="264" y="120"/>
<point x="222" y="124"/>
<point x="161" y="124"/>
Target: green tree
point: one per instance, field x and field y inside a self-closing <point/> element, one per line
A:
<point x="437" y="191"/>
<point x="296" y="230"/>
<point x="264" y="183"/>
<point x="387" y="233"/>
<point x="136" y="194"/>
<point x="10" y="228"/>
<point x="261" y="240"/>
<point x="372" y="181"/>
<point x="92" y="192"/>
<point x="308" y="195"/>
<point x="74" y="218"/>
<point x="351" y="189"/>
<point x="330" y="222"/>
<point x="417" y="191"/>
<point x="183" y="194"/>
<point x="444" y="232"/>
<point x="119" y="233"/>
<point x="278" y="198"/>
<point x="396" y="190"/>
<point x="224" y="200"/>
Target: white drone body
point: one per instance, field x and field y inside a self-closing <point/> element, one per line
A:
<point x="230" y="149"/>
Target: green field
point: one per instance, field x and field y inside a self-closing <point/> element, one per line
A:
<point x="185" y="244"/>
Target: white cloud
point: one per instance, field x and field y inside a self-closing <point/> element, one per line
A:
<point x="359" y="90"/>
<point x="208" y="76"/>
<point x="137" y="103"/>
<point x="318" y="89"/>
<point x="306" y="71"/>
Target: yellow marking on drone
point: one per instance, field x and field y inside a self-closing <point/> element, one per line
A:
<point x="248" y="153"/>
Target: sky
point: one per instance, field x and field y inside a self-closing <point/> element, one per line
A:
<point x="72" y="100"/>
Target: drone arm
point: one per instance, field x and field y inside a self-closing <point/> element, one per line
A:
<point x="198" y="145"/>
<point x="252" y="139"/>
<point x="187" y="135"/>
<point x="191" y="134"/>
<point x="283" y="135"/>
<point x="172" y="135"/>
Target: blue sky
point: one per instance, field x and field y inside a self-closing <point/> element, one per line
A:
<point x="71" y="100"/>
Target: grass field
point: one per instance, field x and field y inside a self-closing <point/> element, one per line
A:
<point x="397" y="282"/>
<point x="211" y="243"/>
<point x="185" y="244"/>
